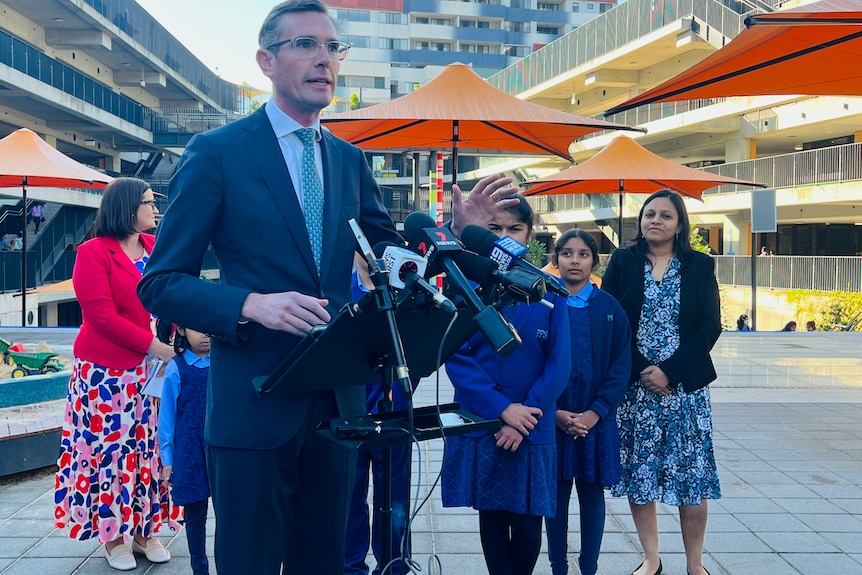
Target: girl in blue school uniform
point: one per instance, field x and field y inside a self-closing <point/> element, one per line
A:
<point x="181" y="437"/>
<point x="509" y="475"/>
<point x="588" y="440"/>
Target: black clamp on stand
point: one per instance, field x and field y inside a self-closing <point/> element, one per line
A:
<point x="373" y="341"/>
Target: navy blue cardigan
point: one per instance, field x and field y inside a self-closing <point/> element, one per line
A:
<point x="611" y="358"/>
<point x="699" y="314"/>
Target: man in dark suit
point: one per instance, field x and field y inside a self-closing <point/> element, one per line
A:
<point x="279" y="491"/>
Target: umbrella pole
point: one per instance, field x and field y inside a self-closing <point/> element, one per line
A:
<point x="24" y="255"/>
<point x="456" y="128"/>
<point x="620" y="228"/>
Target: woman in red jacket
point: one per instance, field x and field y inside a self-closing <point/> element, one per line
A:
<point x="107" y="482"/>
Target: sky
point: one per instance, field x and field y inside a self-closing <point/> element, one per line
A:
<point x="220" y="33"/>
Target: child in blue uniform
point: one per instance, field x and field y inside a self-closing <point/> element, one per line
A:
<point x="510" y="476"/>
<point x="588" y="441"/>
<point x="181" y="437"/>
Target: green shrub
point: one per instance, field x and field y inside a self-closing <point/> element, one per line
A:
<point x="826" y="308"/>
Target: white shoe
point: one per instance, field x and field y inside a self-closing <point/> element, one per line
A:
<point x="154" y="551"/>
<point x="121" y="558"/>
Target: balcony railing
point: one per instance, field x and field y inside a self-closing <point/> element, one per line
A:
<point x="826" y="273"/>
<point x="807" y="168"/>
<point x="625" y="23"/>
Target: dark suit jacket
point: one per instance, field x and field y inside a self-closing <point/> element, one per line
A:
<point x="699" y="314"/>
<point x="232" y="189"/>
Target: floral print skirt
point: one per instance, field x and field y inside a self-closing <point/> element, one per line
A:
<point x="107" y="483"/>
<point x="666" y="447"/>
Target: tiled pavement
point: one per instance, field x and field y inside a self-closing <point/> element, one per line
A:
<point x="787" y="410"/>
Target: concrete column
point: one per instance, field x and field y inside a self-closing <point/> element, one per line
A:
<point x="739" y="149"/>
<point x="51" y="315"/>
<point x="113" y="164"/>
<point x="737" y="236"/>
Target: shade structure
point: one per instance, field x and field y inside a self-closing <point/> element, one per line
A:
<point x="459" y="110"/>
<point x="812" y="50"/>
<point x="624" y="166"/>
<point x="27" y="160"/>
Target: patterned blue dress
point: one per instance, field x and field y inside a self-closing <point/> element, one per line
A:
<point x="666" y="441"/>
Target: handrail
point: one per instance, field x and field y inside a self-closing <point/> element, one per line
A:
<point x="618" y="26"/>
<point x="823" y="273"/>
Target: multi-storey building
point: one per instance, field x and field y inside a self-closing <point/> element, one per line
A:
<point x="401" y="44"/>
<point x="809" y="149"/>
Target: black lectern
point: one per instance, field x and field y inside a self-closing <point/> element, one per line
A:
<point x="361" y="346"/>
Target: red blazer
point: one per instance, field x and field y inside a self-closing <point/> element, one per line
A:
<point x="116" y="331"/>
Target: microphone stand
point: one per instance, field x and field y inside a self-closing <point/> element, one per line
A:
<point x="392" y="366"/>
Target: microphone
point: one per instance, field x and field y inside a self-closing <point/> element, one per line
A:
<point x="440" y="248"/>
<point x="517" y="283"/>
<point x="406" y="269"/>
<point x="426" y="239"/>
<point x="508" y="253"/>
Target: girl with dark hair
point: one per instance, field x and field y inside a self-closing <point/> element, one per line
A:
<point x="670" y="295"/>
<point x="489" y="471"/>
<point x="181" y="437"/>
<point x="588" y="444"/>
<point x="107" y="484"/>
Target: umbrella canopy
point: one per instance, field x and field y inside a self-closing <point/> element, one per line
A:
<point x="624" y="166"/>
<point x="812" y="50"/>
<point x="27" y="160"/>
<point x="459" y="109"/>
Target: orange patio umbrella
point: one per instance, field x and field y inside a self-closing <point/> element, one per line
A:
<point x="459" y="109"/>
<point x="813" y="50"/>
<point x="624" y="166"/>
<point x="27" y="160"/>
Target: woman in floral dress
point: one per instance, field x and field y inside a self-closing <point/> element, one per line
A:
<point x="107" y="484"/>
<point x="670" y="295"/>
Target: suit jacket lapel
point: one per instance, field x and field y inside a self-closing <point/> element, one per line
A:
<point x="119" y="256"/>
<point x="266" y="154"/>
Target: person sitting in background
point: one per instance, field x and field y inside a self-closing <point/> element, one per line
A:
<point x="18" y="242"/>
<point x="5" y="246"/>
<point x="789" y="326"/>
<point x="810" y="325"/>
<point x="742" y="323"/>
<point x="763" y="251"/>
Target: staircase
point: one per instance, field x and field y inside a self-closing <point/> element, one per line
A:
<point x="49" y="210"/>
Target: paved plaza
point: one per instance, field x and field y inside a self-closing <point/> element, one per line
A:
<point x="787" y="411"/>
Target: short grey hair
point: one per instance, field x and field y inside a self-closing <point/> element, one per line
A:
<point x="271" y="30"/>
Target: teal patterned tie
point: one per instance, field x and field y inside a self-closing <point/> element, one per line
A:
<point x="312" y="192"/>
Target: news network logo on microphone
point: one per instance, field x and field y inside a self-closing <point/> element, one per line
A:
<point x="506" y="251"/>
<point x="433" y="240"/>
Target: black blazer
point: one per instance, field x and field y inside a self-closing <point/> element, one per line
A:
<point x="232" y="189"/>
<point x="699" y="314"/>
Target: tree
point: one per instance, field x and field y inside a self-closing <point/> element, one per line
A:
<point x="697" y="242"/>
<point x="354" y="101"/>
<point x="536" y="253"/>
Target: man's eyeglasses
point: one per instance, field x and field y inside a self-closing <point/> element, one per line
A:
<point x="151" y="203"/>
<point x="306" y="47"/>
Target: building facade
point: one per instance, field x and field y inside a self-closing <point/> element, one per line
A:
<point x="398" y="45"/>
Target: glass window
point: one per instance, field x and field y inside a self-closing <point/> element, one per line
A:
<point x="357" y="41"/>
